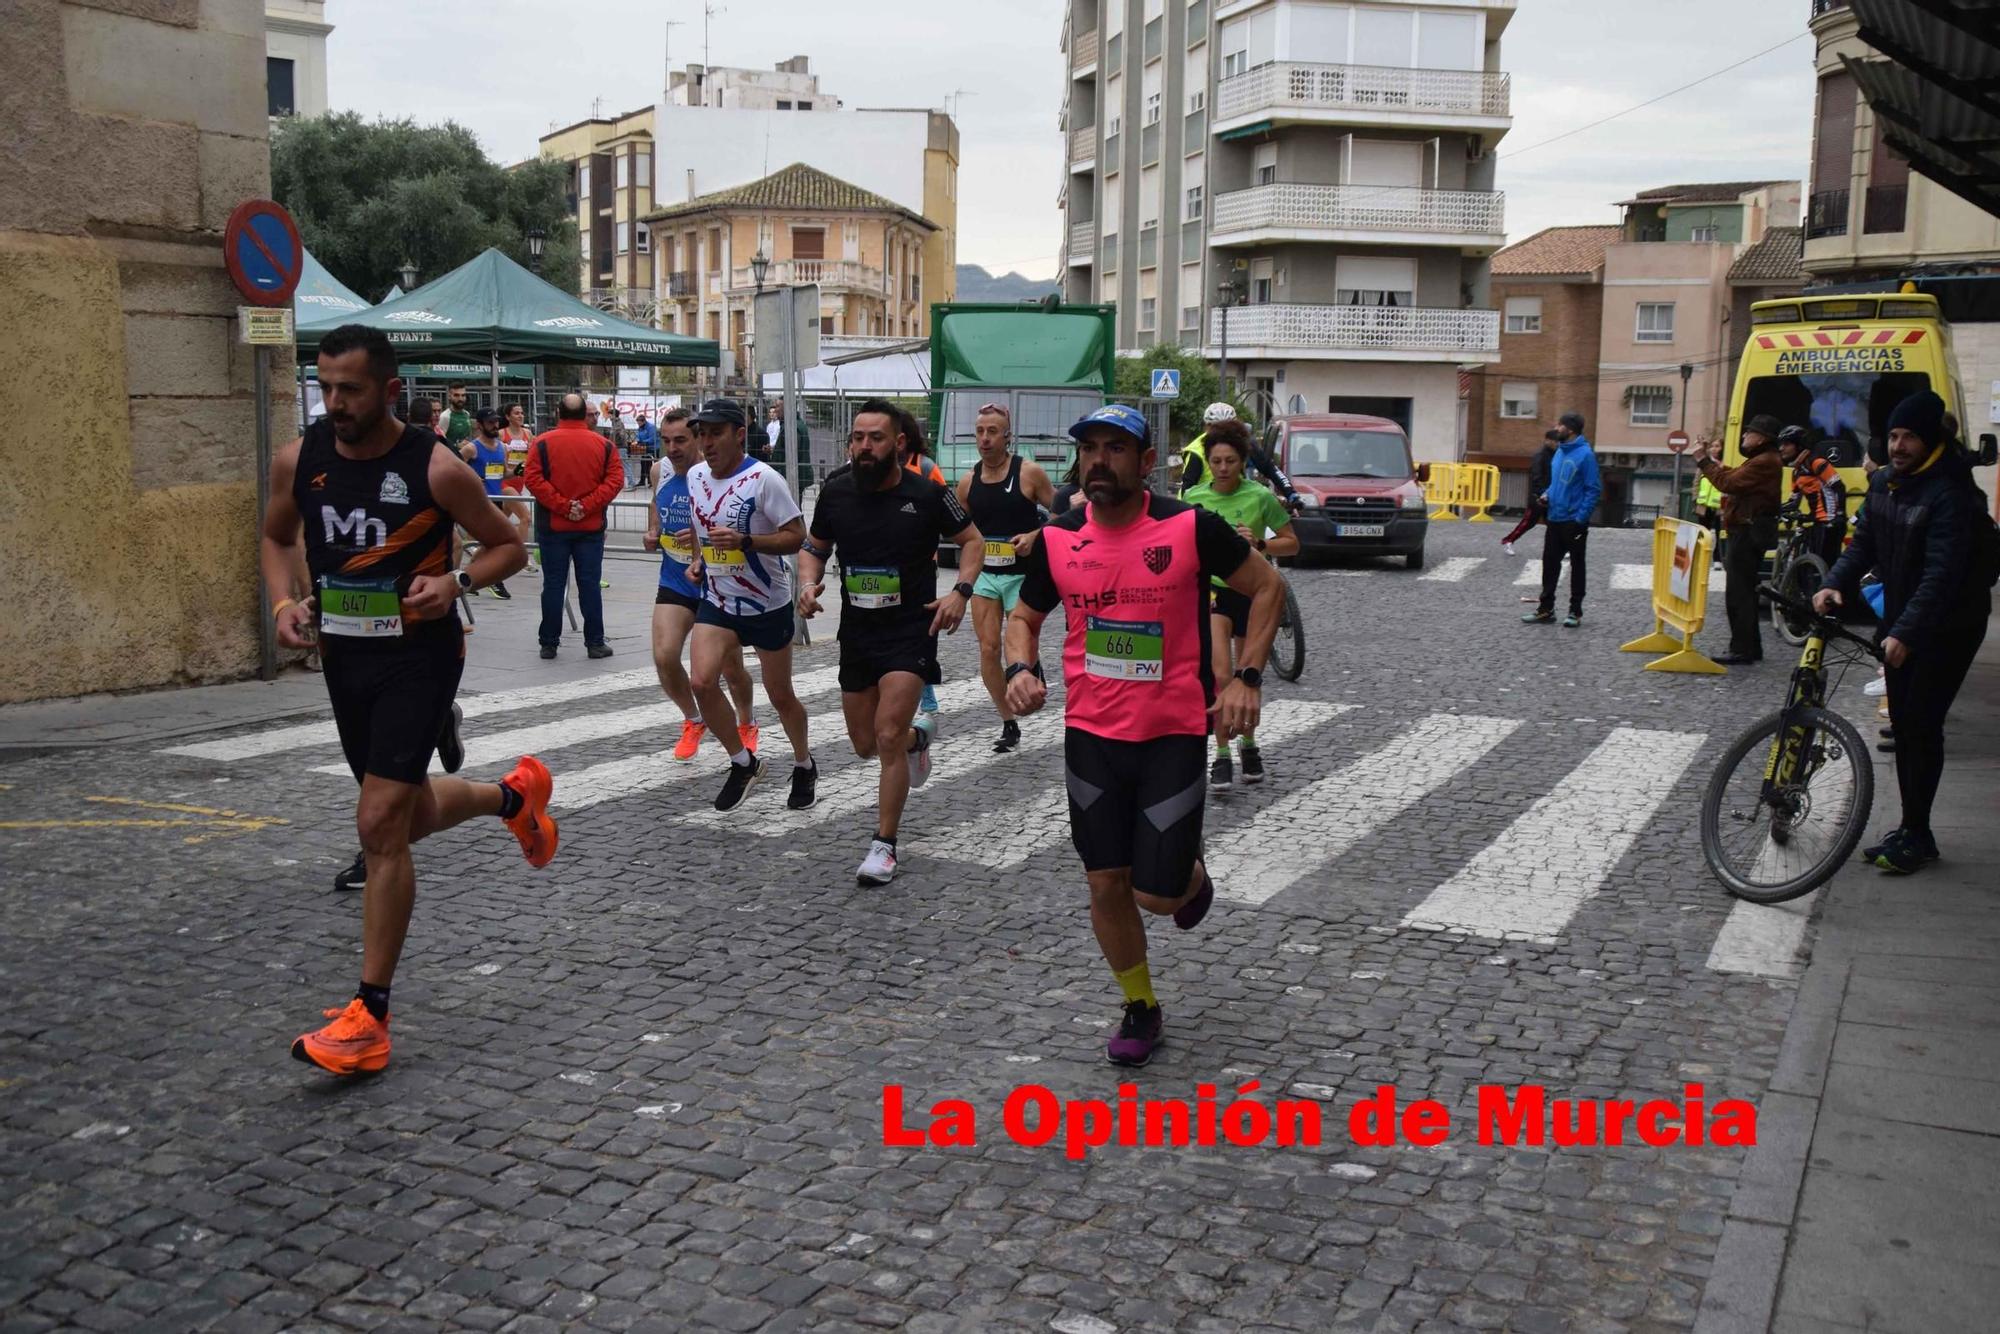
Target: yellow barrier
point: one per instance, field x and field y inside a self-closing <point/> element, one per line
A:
<point x="1478" y="490"/>
<point x="1681" y="556"/>
<point x="1441" y="490"/>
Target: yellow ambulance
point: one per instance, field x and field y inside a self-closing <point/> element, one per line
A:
<point x="1838" y="365"/>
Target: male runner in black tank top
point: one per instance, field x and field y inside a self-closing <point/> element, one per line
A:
<point x="375" y="500"/>
<point x="1009" y="499"/>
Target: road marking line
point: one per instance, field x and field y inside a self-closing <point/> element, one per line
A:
<point x="851" y="785"/>
<point x="299" y="737"/>
<point x="1763" y="939"/>
<point x="1008" y="836"/>
<point x="1451" y="570"/>
<point x="575" y="731"/>
<point x="1292" y="838"/>
<point x="1548" y="863"/>
<point x="1632" y="578"/>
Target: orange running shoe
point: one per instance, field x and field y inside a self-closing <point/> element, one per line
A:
<point x="691" y="734"/>
<point x="531" y="824"/>
<point x="749" y="733"/>
<point x="354" y="1043"/>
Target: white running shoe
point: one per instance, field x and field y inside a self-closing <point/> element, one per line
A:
<point x="879" y="866"/>
<point x="1876" y="688"/>
<point x="1507" y="547"/>
<point x="920" y="766"/>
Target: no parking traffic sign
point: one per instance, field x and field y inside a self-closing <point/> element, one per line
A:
<point x="262" y="249"/>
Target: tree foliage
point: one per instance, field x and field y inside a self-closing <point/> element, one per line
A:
<point x="1200" y="385"/>
<point x="369" y="194"/>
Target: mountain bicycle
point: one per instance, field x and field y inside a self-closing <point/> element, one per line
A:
<point x="1789" y="799"/>
<point x="1797" y="569"/>
<point x="1288" y="651"/>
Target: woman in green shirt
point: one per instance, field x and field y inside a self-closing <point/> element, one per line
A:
<point x="1265" y="523"/>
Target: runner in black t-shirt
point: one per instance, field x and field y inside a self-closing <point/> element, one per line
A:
<point x="885" y="522"/>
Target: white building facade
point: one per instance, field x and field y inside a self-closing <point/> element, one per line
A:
<point x="295" y="33"/>
<point x="1334" y="163"/>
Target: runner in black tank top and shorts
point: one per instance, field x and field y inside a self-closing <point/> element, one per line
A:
<point x="1009" y="498"/>
<point x="375" y="500"/>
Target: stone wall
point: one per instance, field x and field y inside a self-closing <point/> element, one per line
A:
<point x="128" y="488"/>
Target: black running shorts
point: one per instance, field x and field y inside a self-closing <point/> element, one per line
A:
<point x="673" y="597"/>
<point x="1137" y="804"/>
<point x="864" y="662"/>
<point x="390" y="705"/>
<point x="1234" y="605"/>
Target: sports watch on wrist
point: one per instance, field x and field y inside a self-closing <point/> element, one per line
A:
<point x="1251" y="677"/>
<point x="1014" y="669"/>
<point x="464" y="581"/>
<point x="963" y="589"/>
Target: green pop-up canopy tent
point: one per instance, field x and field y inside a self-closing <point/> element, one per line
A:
<point x="492" y="309"/>
<point x="323" y="299"/>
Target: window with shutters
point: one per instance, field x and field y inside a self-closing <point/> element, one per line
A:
<point x="1524" y="314"/>
<point x="1518" y="399"/>
<point x="1652" y="404"/>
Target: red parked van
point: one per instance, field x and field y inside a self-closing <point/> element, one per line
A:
<point x="1363" y="494"/>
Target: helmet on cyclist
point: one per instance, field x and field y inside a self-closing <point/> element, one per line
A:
<point x="1217" y="412"/>
<point x="1795" y="435"/>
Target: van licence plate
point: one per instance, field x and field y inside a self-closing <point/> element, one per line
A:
<point x="1359" y="530"/>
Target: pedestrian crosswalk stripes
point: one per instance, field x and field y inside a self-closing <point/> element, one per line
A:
<point x="277" y="740"/>
<point x="842" y="791"/>
<point x="1260" y="858"/>
<point x="1012" y="833"/>
<point x="1764" y="940"/>
<point x="1531" y="880"/>
<point x="658" y="717"/>
<point x="1626" y="577"/>
<point x="1451" y="570"/>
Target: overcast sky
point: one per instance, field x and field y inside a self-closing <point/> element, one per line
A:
<point x="510" y="70"/>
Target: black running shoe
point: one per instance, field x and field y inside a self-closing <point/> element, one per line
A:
<point x="451" y="747"/>
<point x="737" y="785"/>
<point x="1010" y="737"/>
<point x="805" y="787"/>
<point x="354" y="877"/>
<point x="500" y="591"/>
<point x="1222" y="774"/>
<point x="1253" y="764"/>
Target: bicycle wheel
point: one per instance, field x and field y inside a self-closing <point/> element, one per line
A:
<point x="1768" y="852"/>
<point x="1801" y="577"/>
<point x="1288" y="654"/>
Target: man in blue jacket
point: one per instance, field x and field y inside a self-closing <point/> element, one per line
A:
<point x="1924" y="528"/>
<point x="1571" y="499"/>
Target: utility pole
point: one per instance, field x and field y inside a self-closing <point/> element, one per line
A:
<point x="1687" y="374"/>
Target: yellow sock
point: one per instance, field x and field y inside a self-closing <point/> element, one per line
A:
<point x="1137" y="983"/>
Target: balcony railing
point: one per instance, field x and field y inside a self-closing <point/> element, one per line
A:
<point x="1083" y="144"/>
<point x="1826" y="213"/>
<point x="798" y="272"/>
<point x="1884" y="208"/>
<point x="1295" y="86"/>
<point x="1387" y="329"/>
<point x="1820" y="7"/>
<point x="1081" y="237"/>
<point x="1082" y="49"/>
<point x="680" y="283"/>
<point x="1371" y="208"/>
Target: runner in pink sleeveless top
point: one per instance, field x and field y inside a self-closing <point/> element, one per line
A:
<point x="1131" y="572"/>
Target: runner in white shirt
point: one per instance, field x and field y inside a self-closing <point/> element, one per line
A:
<point x="745" y="523"/>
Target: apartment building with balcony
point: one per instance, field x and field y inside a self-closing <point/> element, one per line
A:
<point x="610" y="160"/>
<point x="1333" y="163"/>
<point x="1871" y="222"/>
<point x="864" y="250"/>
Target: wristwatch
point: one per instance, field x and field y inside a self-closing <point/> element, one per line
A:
<point x="465" y="581"/>
<point x="963" y="589"/>
<point x="1014" y="669"/>
<point x="1251" y="677"/>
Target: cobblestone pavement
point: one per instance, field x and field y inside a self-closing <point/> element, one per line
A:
<point x="643" y="1089"/>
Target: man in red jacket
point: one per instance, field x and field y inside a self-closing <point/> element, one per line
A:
<point x="574" y="474"/>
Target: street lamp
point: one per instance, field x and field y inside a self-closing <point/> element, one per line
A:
<point x="1225" y="296"/>
<point x="1687" y="373"/>
<point x="760" y="268"/>
<point x="408" y="273"/>
<point x="537" y="239"/>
